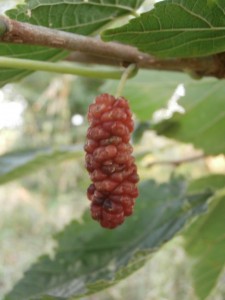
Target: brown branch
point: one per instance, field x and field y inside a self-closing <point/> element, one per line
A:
<point x="94" y="50"/>
<point x="176" y="163"/>
<point x="82" y="57"/>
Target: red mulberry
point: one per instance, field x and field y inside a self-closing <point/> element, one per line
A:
<point x="109" y="161"/>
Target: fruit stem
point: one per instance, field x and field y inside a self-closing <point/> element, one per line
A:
<point x="64" y="67"/>
<point x="130" y="71"/>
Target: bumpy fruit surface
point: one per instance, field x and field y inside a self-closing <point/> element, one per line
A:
<point x="109" y="161"/>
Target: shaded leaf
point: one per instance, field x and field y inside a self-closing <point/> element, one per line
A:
<point x="213" y="182"/>
<point x="205" y="239"/>
<point x="14" y="165"/>
<point x="204" y="118"/>
<point x="89" y="258"/>
<point x="82" y="17"/>
<point x="139" y="131"/>
<point x="148" y="91"/>
<point x="176" y="28"/>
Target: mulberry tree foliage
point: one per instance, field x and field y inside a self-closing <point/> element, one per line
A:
<point x="88" y="258"/>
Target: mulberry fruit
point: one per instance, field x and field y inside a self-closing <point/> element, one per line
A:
<point x="109" y="161"/>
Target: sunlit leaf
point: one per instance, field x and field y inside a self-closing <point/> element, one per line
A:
<point x="205" y="239"/>
<point x="82" y="17"/>
<point x="176" y="28"/>
<point x="203" y="122"/>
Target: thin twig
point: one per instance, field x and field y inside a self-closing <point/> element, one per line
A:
<point x="12" y="31"/>
<point x="25" y="33"/>
<point x="178" y="162"/>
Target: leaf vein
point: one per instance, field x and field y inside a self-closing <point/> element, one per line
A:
<point x="195" y="15"/>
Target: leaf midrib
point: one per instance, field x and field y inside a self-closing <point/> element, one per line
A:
<point x="183" y="29"/>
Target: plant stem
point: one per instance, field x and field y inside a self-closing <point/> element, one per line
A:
<point x="96" y="51"/>
<point x="65" y="68"/>
<point x="178" y="162"/>
<point x="130" y="70"/>
<point x="25" y="33"/>
<point x="12" y="31"/>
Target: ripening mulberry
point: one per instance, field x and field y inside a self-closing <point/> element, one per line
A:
<point x="109" y="161"/>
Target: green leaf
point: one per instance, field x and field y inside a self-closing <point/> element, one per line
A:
<point x="148" y="91"/>
<point x="205" y="239"/>
<point x="204" y="118"/>
<point x="176" y="28"/>
<point x="82" y="17"/>
<point x="89" y="258"/>
<point x="213" y="182"/>
<point x="14" y="165"/>
<point x="139" y="130"/>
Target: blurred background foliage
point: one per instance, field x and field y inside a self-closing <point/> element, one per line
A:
<point x="49" y="110"/>
<point x="38" y="205"/>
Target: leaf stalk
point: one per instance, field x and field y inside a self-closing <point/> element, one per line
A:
<point x="60" y="67"/>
